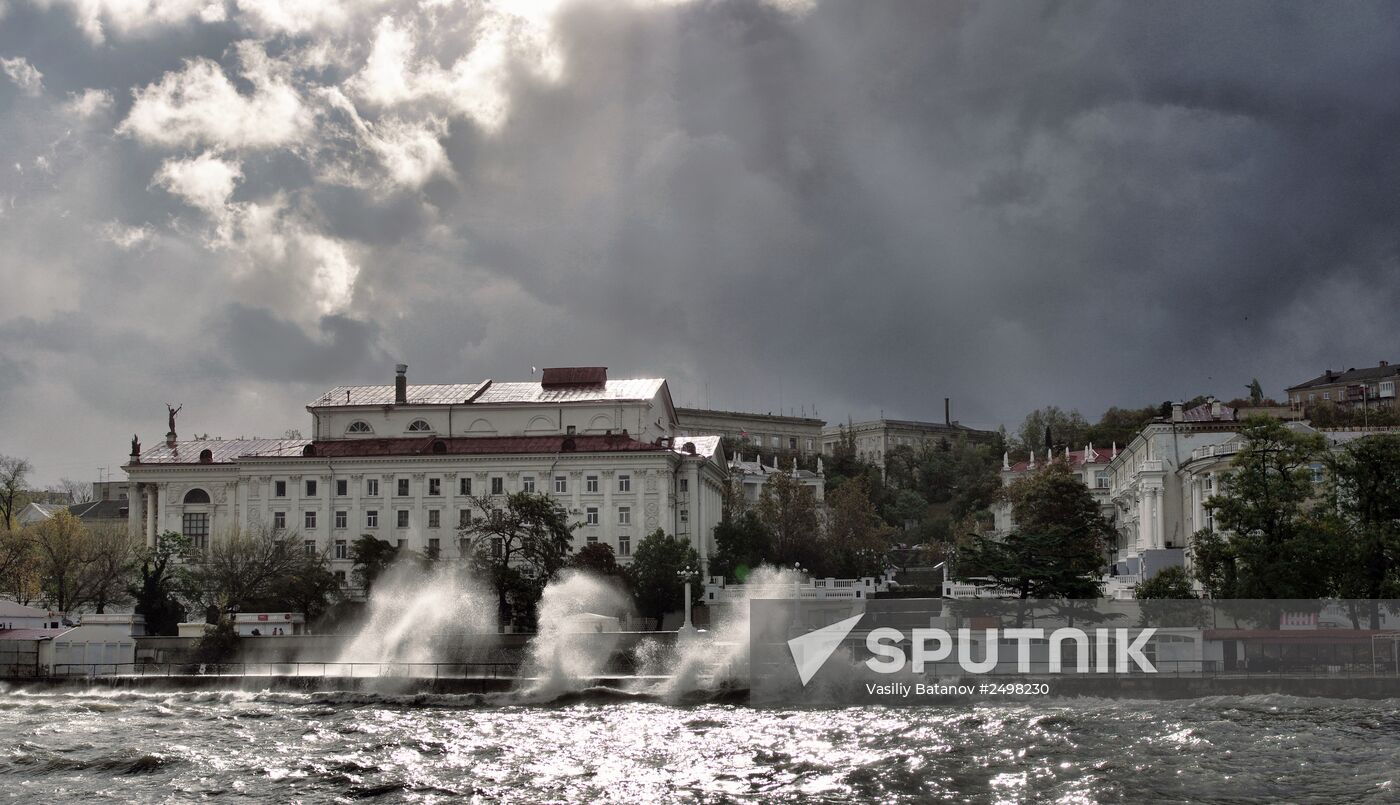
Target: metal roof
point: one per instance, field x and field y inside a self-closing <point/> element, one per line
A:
<point x="481" y="445"/>
<point x="1330" y="378"/>
<point x="440" y="394"/>
<point x="32" y="634"/>
<point x="222" y="451"/>
<point x="489" y="393"/>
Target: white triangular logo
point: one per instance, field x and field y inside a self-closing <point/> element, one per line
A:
<point x="811" y="651"/>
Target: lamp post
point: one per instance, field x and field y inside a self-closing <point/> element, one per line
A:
<point x="687" y="629"/>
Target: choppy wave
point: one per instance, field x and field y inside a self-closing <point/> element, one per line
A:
<point x="607" y="744"/>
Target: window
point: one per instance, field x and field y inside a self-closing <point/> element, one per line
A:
<point x="591" y="517"/>
<point x="434" y="548"/>
<point x="340" y="578"/>
<point x="590" y="484"/>
<point x="434" y="518"/>
<point x="419" y="426"/>
<point x="571" y="430"/>
<point x="592" y="540"/>
<point x="279" y="521"/>
<point x="311" y="489"/>
<point x="464" y="486"/>
<point x="496" y="547"/>
<point x="434" y="487"/>
<point x="1326" y="395"/>
<point x="402" y="515"/>
<point x="561" y="485"/>
<point x="310" y="519"/>
<point x="401" y="544"/>
<point x="498" y="486"/>
<point x="776" y="441"/>
<point x="342" y="519"/>
<point x="685" y="484"/>
<point x="624" y="545"/>
<point x="371" y="518"/>
<point x="1316" y="473"/>
<point x="624" y="515"/>
<point x="371" y="487"/>
<point x="359" y="426"/>
<point x="342" y="488"/>
<point x="196" y="496"/>
<point x="792" y="442"/>
<point x="1101" y="479"/>
<point x="1386" y="388"/>
<point x="403" y="488"/>
<point x="279" y="489"/>
<point x="624" y="483"/>
<point x="196" y="529"/>
<point x="464" y="547"/>
<point x="528" y="483"/>
<point x="685" y="515"/>
<point x="464" y="518"/>
<point x="342" y="550"/>
<point x="308" y="547"/>
<point x="809" y="445"/>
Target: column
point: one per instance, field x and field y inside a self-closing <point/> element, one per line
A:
<point x="136" y="511"/>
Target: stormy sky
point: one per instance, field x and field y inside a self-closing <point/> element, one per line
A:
<point x="862" y="206"/>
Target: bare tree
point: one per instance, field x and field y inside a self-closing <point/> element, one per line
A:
<point x="114" y="555"/>
<point x="13" y="474"/>
<point x="73" y="491"/>
<point x="242" y="566"/>
<point x="18" y="568"/>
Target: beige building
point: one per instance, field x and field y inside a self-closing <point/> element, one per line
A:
<point x="402" y="463"/>
<point x="765" y="432"/>
<point x="1372" y="387"/>
<point x="874" y="439"/>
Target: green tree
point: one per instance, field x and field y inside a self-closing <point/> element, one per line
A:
<point x="661" y="564"/>
<point x="371" y="557"/>
<point x="17" y="564"/>
<point x="1066" y="428"/>
<point x="66" y="558"/>
<point x="1215" y="564"/>
<point x="161" y="581"/>
<point x="742" y="543"/>
<point x="1170" y="582"/>
<point x="1263" y="513"/>
<point x="1057" y="548"/>
<point x="788" y="509"/>
<point x="857" y="541"/>
<point x="518" y="547"/>
<point x="1363" y="514"/>
<point x="597" y="558"/>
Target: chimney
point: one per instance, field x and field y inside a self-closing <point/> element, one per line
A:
<point x="947" y="412"/>
<point x="1178" y="412"/>
<point x="1214" y="408"/>
<point x="401" y="384"/>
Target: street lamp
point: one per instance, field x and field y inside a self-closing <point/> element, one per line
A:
<point x="687" y="629"/>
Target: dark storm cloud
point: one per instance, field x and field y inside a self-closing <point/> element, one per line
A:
<point x="861" y="206"/>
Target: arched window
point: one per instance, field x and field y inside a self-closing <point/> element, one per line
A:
<point x="196" y="496"/>
<point x="206" y="456"/>
<point x="359" y="426"/>
<point x="419" y="426"/>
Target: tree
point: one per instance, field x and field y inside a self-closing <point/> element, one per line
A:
<point x="518" y="547"/>
<point x="661" y="565"/>
<point x="1215" y="564"/>
<point x="16" y="563"/>
<point x="371" y="556"/>
<point x="162" y="579"/>
<point x="1263" y="513"/>
<point x="596" y="558"/>
<point x="14" y="472"/>
<point x="1363" y="515"/>
<point x="72" y="491"/>
<point x="857" y="540"/>
<point x="309" y="586"/>
<point x="742" y="543"/>
<point x="788" y="509"/>
<point x="114" y="555"/>
<point x="1066" y="428"/>
<point x="1170" y="582"/>
<point x="66" y="557"/>
<point x="1057" y="548"/>
<point x="241" y="567"/>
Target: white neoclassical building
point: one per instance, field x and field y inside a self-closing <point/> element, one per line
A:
<point x="400" y="462"/>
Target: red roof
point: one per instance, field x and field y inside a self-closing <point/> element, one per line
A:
<point x="479" y="445"/>
<point x="1076" y="459"/>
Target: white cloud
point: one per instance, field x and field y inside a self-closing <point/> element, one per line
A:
<point x="126" y="237"/>
<point x="89" y="103"/>
<point x="205" y="182"/>
<point x="136" y="17"/>
<point x="24" y="75"/>
<point x="411" y="153"/>
<point x="297" y="16"/>
<point x="200" y="105"/>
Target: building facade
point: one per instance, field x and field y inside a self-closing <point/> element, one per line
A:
<point x="873" y="440"/>
<point x="765" y="432"/>
<point x="750" y="476"/>
<point x="405" y="463"/>
<point x="1354" y="388"/>
<point x="1089" y="465"/>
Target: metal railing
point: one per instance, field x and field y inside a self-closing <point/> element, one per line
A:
<point x="379" y="670"/>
